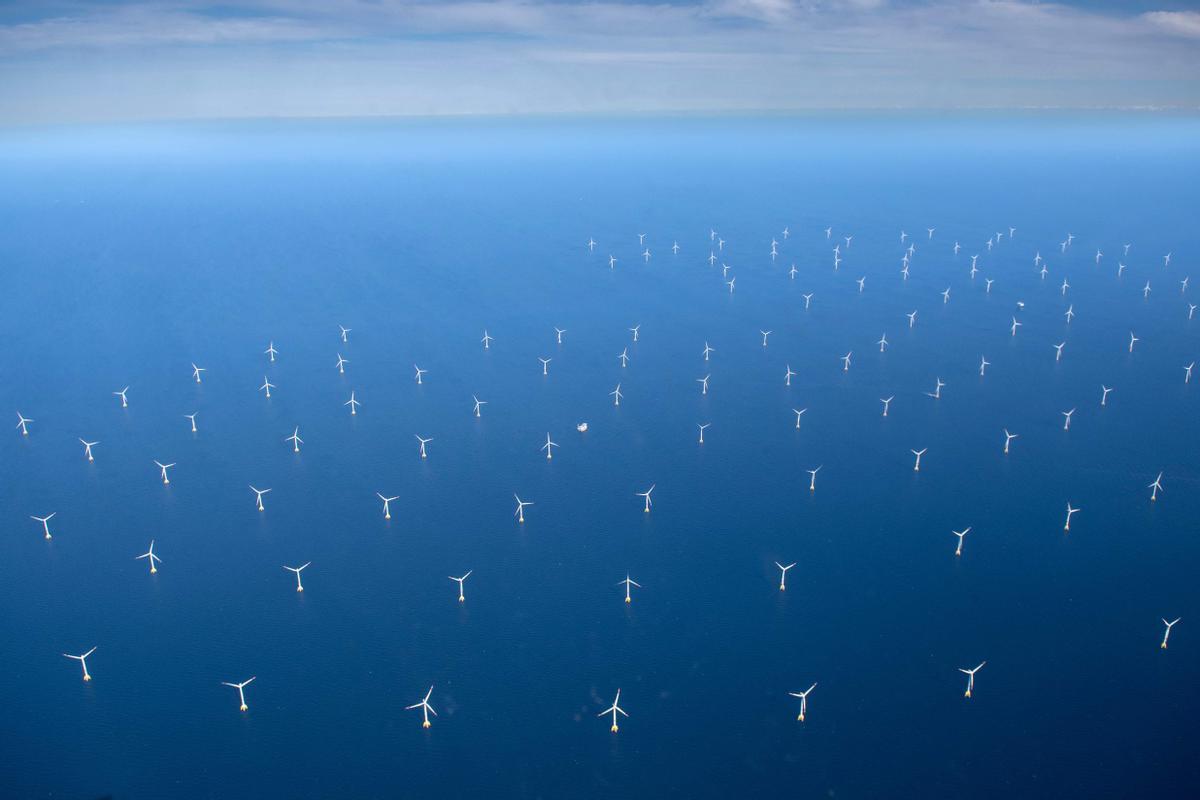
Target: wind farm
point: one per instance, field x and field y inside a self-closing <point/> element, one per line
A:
<point x="818" y="474"/>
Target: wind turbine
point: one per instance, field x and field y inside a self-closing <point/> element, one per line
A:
<point x="345" y="331"/>
<point x="803" y="701"/>
<point x="545" y="364"/>
<point x="487" y="340"/>
<point x="1008" y="437"/>
<point x="548" y="447"/>
<point x="341" y="364"/>
<point x="887" y="401"/>
<point x="87" y="449"/>
<point x="196" y="371"/>
<point x="918" y="454"/>
<point x="799" y="412"/>
<point x="354" y="404"/>
<point x="461" y="597"/>
<point x="152" y="557"/>
<point x="241" y="687"/>
<point x="423" y="443"/>
<point x="83" y="660"/>
<point x="614" y="709"/>
<point x="1070" y="511"/>
<point x="627" y="583"/>
<point x="1156" y="487"/>
<point x="478" y="404"/>
<point x="271" y="351"/>
<point x="812" y="482"/>
<point x="783" y="574"/>
<point x="419" y="373"/>
<point x="121" y="394"/>
<point x="23" y="424"/>
<point x="425" y="707"/>
<point x="267" y="386"/>
<point x="295" y="440"/>
<point x="702" y="427"/>
<point x="961" y="535"/>
<point x="559" y="332"/>
<point x="192" y="418"/>
<point x="646" y="494"/>
<point x="703" y="383"/>
<point x="1163" y="646"/>
<point x="970" y="673"/>
<point x="520" y="512"/>
<point x="298" y="570"/>
<point x="387" y="508"/>
<point x="258" y="496"/>
<point x="164" y="468"/>
<point x="616" y="395"/>
<point x="45" y="523"/>
<point x="787" y="376"/>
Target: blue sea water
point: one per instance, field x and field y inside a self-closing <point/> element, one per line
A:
<point x="128" y="253"/>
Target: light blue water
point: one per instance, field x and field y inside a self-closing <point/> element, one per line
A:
<point x="130" y="253"/>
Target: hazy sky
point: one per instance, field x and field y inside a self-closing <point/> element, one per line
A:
<point x="83" y="61"/>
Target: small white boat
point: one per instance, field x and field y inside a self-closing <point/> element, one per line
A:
<point x="581" y="427"/>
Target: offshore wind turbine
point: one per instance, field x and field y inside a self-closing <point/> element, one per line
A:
<point x="478" y="404"/>
<point x="616" y="395"/>
<point x="624" y="358"/>
<point x="87" y="677"/>
<point x="267" y="386"/>
<point x="703" y="383"/>
<point x="387" y="508"/>
<point x="1155" y="487"/>
<point x="635" y="331"/>
<point x="341" y="364"/>
<point x="241" y="687"/>
<point x="702" y="427"/>
<point x="883" y="342"/>
<point x="559" y="332"/>
<point x="812" y="478"/>
<point x="787" y="376"/>
<point x="545" y="364"/>
<point x="487" y="340"/>
<point x="1008" y="437"/>
<point x="258" y="496"/>
<point x="23" y="424"/>
<point x="707" y="350"/>
<point x="196" y="371"/>
<point x="461" y="597"/>
<point x="152" y="557"/>
<point x="918" y="454"/>
<point x="164" y="468"/>
<point x="961" y="535"/>
<point x="614" y="709"/>
<point x="298" y="570"/>
<point x="419" y="373"/>
<point x="124" y="400"/>
<point x="423" y="443"/>
<point x="45" y="522"/>
<point x="87" y="449"/>
<point x="1070" y="511"/>
<point x="970" y="673"/>
<point x="549" y="447"/>
<point x="520" y="512"/>
<point x="295" y="440"/>
<point x="783" y="574"/>
<point x="627" y="583"/>
<point x="192" y="418"/>
<point x="1166" y="633"/>
<point x="345" y="331"/>
<point x="646" y="494"/>
<point x="765" y="334"/>
<point x="1067" y="419"/>
<point x="426" y="709"/>
<point x="1104" y="394"/>
<point x="354" y="404"/>
<point x="803" y="701"/>
<point x="799" y="412"/>
<point x="271" y="352"/>
<point x="887" y="401"/>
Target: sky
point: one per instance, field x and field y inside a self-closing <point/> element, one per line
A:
<point x="72" y="62"/>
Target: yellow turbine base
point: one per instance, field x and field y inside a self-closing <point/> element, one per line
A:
<point x="245" y="707"/>
<point x="968" y="693"/>
<point x="425" y="724"/>
<point x="299" y="588"/>
<point x="87" y="677"/>
<point x="613" y="729"/>
<point x="628" y="600"/>
<point x="1164" y="645"/>
<point x="153" y="570"/>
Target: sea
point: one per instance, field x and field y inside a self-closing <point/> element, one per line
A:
<point x="131" y="253"/>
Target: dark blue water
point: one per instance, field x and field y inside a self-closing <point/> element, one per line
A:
<point x="128" y="254"/>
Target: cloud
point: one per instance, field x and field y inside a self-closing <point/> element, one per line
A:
<point x="331" y="57"/>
